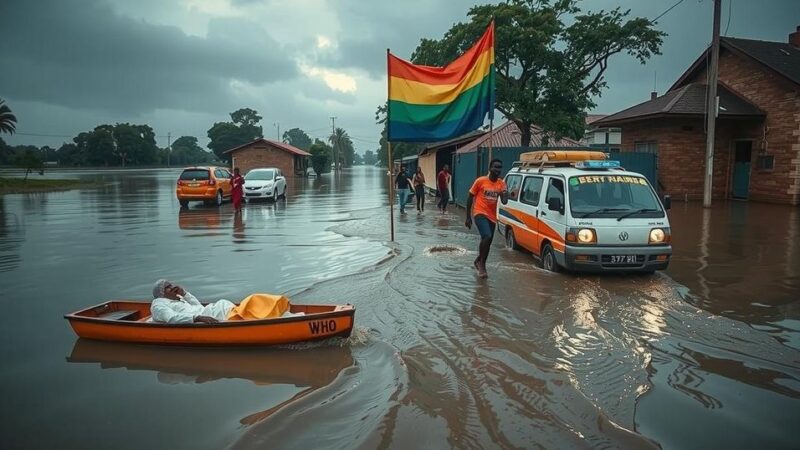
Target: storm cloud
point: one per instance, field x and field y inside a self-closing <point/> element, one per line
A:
<point x="182" y="65"/>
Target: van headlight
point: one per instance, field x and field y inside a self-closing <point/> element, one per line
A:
<point x="582" y="235"/>
<point x="586" y="236"/>
<point x="659" y="236"/>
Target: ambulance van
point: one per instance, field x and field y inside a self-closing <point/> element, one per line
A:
<point x="579" y="211"/>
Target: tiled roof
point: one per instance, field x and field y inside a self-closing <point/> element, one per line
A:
<point x="508" y="135"/>
<point x="591" y="118"/>
<point x="688" y="100"/>
<point x="781" y="57"/>
<point x="281" y="145"/>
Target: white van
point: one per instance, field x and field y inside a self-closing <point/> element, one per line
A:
<point x="579" y="211"/>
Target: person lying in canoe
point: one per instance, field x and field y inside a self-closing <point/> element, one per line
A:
<point x="173" y="304"/>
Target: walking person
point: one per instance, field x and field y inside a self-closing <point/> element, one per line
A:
<point x="403" y="185"/>
<point x="237" y="191"/>
<point x="482" y="205"/>
<point x="443" y="185"/>
<point x="419" y="189"/>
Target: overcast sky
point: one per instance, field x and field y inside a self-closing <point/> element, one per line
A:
<point x="181" y="65"/>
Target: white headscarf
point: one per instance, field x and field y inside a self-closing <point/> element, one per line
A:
<point x="159" y="288"/>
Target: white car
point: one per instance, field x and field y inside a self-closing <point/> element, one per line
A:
<point x="265" y="183"/>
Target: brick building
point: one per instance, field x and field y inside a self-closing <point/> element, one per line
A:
<point x="265" y="153"/>
<point x="757" y="139"/>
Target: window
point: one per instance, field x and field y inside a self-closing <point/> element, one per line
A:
<point x="610" y="196"/>
<point x="531" y="190"/>
<point x="556" y="190"/>
<point x="512" y="185"/>
<point x="646" y="147"/>
<point x="765" y="162"/>
<point x="260" y="175"/>
<point x="194" y="174"/>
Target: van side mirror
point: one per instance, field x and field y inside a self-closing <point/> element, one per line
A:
<point x="554" y="204"/>
<point x="667" y="202"/>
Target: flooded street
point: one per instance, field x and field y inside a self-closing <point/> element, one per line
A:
<point x="704" y="355"/>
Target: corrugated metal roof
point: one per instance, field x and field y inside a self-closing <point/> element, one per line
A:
<point x="508" y="135"/>
<point x="281" y="145"/>
<point x="430" y="148"/>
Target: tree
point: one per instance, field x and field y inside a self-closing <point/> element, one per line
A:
<point x="358" y="160"/>
<point x="370" y="158"/>
<point x="245" y="117"/>
<point x="399" y="149"/>
<point x="70" y="155"/>
<point x="29" y="160"/>
<point x="185" y="150"/>
<point x="320" y="157"/>
<point x="100" y="146"/>
<point x="547" y="71"/>
<point x="342" y="147"/>
<point x="227" y="135"/>
<point x="5" y="153"/>
<point x="8" y="122"/>
<point x="297" y="138"/>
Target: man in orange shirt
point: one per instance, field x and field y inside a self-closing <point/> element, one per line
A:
<point x="482" y="204"/>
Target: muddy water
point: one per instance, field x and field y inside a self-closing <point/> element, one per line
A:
<point x="704" y="355"/>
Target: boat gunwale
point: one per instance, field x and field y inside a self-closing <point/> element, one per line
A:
<point x="350" y="311"/>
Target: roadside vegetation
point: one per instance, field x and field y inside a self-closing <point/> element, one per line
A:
<point x="135" y="145"/>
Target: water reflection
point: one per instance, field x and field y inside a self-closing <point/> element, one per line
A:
<point x="10" y="238"/>
<point x="312" y="367"/>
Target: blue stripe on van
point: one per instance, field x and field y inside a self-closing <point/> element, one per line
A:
<point x="508" y="214"/>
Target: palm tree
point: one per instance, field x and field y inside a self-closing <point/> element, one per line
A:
<point x="342" y="148"/>
<point x="8" y="122"/>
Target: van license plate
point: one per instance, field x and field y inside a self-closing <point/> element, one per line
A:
<point x="623" y="259"/>
<point x="194" y="184"/>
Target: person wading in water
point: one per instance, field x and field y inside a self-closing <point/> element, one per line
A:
<point x="482" y="204"/>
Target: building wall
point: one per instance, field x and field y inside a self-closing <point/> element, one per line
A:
<point x="681" y="148"/>
<point x="260" y="155"/>
<point x="780" y="99"/>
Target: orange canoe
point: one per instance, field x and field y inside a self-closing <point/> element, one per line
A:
<point x="127" y="321"/>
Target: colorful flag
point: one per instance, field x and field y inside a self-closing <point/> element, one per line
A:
<point x="429" y="104"/>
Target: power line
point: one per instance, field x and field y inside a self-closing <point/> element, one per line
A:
<point x="668" y="10"/>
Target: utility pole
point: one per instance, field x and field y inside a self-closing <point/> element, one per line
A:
<point x="169" y="147"/>
<point x="278" y="126"/>
<point x="333" y="143"/>
<point x="712" y="107"/>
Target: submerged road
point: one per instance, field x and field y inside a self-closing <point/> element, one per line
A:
<point x="704" y="355"/>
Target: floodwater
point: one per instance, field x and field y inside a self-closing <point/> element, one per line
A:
<point x="705" y="355"/>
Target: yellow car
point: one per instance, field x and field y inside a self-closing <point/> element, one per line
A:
<point x="211" y="185"/>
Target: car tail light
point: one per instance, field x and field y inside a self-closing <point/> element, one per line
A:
<point x="180" y="182"/>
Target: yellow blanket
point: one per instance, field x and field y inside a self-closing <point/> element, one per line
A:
<point x="260" y="306"/>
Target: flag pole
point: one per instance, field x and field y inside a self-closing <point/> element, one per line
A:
<point x="389" y="144"/>
<point x="491" y="136"/>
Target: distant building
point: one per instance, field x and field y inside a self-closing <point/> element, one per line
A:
<point x="471" y="160"/>
<point x="433" y="157"/>
<point x="265" y="153"/>
<point x="757" y="139"/>
<point x="606" y="139"/>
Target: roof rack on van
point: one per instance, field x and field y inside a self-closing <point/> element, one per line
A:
<point x="557" y="158"/>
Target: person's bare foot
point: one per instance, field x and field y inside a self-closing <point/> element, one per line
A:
<point x="482" y="271"/>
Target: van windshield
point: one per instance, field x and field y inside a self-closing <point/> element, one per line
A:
<point x="612" y="196"/>
<point x="260" y="175"/>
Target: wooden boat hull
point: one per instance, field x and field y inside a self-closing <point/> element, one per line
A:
<point x="125" y="321"/>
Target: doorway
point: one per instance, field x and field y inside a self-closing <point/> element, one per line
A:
<point x="743" y="152"/>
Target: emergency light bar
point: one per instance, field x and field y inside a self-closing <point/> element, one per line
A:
<point x="595" y="164"/>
